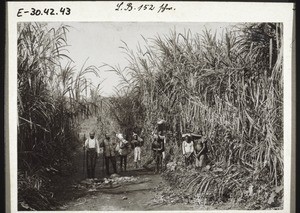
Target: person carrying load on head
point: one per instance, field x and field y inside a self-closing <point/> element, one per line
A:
<point x="136" y="144"/>
<point x="188" y="149"/>
<point x="109" y="145"/>
<point x="123" y="151"/>
<point x="161" y="138"/>
<point x="161" y="131"/>
<point x="153" y="155"/>
<point x="91" y="146"/>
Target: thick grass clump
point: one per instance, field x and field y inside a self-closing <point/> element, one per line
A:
<point x="50" y="104"/>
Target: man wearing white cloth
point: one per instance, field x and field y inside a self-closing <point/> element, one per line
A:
<point x="92" y="152"/>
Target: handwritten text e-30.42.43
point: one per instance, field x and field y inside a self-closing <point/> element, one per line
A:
<point x="45" y="11"/>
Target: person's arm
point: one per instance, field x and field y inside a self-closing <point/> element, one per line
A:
<point x="97" y="146"/>
<point x="162" y="146"/>
<point x="123" y="144"/>
<point x="114" y="143"/>
<point x="192" y="145"/>
<point x="102" y="143"/>
<point x="86" y="143"/>
<point x="183" y="147"/>
<point x="140" y="140"/>
<point x="203" y="147"/>
<point x="152" y="147"/>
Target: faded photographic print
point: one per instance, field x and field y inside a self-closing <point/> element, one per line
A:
<point x="150" y="116"/>
<point x="187" y="115"/>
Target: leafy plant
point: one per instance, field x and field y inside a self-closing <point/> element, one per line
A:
<point x="199" y="83"/>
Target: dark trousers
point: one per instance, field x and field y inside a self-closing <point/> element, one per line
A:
<point x="112" y="159"/>
<point x="123" y="159"/>
<point x="91" y="158"/>
<point x="189" y="160"/>
<point x="157" y="157"/>
<point x="158" y="160"/>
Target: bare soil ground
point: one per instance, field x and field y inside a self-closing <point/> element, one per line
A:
<point x="144" y="190"/>
<point x="142" y="193"/>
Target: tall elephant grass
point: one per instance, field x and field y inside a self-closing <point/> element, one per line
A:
<point x="51" y="101"/>
<point x="197" y="82"/>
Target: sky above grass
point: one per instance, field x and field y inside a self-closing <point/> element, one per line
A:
<point x="99" y="43"/>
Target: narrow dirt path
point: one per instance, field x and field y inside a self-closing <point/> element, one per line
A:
<point x="126" y="197"/>
<point x="141" y="192"/>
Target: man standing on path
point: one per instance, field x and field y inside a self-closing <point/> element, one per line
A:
<point x="91" y="146"/>
<point x="109" y="145"/>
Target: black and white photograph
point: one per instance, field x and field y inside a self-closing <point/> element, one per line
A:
<point x="126" y="115"/>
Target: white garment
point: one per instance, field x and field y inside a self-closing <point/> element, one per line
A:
<point x="187" y="148"/>
<point x="92" y="144"/>
<point x="137" y="154"/>
<point x="120" y="136"/>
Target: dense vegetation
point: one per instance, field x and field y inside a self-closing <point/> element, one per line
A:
<point x="196" y="82"/>
<point x="50" y="104"/>
<point x="199" y="83"/>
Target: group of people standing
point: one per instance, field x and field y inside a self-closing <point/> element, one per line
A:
<point x="195" y="151"/>
<point x="112" y="148"/>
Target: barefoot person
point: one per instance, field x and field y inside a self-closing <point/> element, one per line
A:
<point x="109" y="145"/>
<point x="91" y="146"/>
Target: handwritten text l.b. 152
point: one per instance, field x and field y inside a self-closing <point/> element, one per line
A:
<point x="159" y="8"/>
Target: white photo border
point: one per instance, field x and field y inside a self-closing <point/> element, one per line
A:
<point x="94" y="11"/>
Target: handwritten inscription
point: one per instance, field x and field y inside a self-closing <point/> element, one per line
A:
<point x="121" y="6"/>
<point x="44" y="11"/>
<point x="159" y="8"/>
